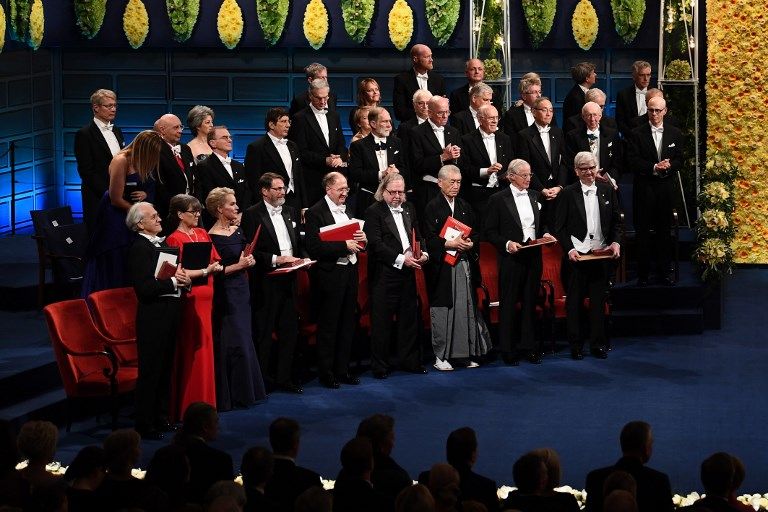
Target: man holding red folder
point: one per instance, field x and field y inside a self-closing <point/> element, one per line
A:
<point x="334" y="279"/>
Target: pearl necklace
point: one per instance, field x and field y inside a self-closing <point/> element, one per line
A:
<point x="189" y="235"/>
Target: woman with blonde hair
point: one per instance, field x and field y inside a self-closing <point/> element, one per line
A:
<point x="368" y="96"/>
<point x="131" y="179"/>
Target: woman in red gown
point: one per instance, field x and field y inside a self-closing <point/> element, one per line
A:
<point x="193" y="375"/>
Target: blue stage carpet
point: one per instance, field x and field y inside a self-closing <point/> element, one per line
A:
<point x="701" y="394"/>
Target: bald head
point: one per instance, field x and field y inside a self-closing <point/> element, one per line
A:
<point x="591" y="113"/>
<point x="475" y="71"/>
<point x="169" y="128"/>
<point x="421" y="55"/>
<point x="657" y="109"/>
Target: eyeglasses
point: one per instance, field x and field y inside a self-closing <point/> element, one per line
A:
<point x="193" y="212"/>
<point x="443" y="113"/>
<point x="547" y="110"/>
<point x="277" y="189"/>
<point x="226" y="137"/>
<point x="395" y="192"/>
<point x="490" y="118"/>
<point x="111" y="106"/>
<point x="532" y="92"/>
<point x="655" y="110"/>
<point x="524" y="176"/>
<point x="342" y="189"/>
<point x="587" y="169"/>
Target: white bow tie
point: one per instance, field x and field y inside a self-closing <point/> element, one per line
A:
<point x="176" y="150"/>
<point x="596" y="133"/>
<point x="342" y="208"/>
<point x="439" y="129"/>
<point x="524" y="193"/>
<point x="396" y="209"/>
<point x="157" y="239"/>
<point x="276" y="211"/>
<point x="489" y="137"/>
<point x="283" y="142"/>
<point x="108" y="127"/>
<point x="654" y="129"/>
<point x="640" y="91"/>
<point x="424" y="76"/>
<point x="587" y="190"/>
<point x="227" y="160"/>
<point x="543" y="130"/>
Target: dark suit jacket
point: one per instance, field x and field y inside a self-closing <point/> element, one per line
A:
<point x="355" y="495"/>
<point x="514" y="120"/>
<point x="171" y="180"/>
<point x="438" y="273"/>
<point x="426" y="149"/>
<point x="459" y="98"/>
<point x="207" y="466"/>
<point x="288" y="482"/>
<point x="473" y="487"/>
<point x="626" y="109"/>
<point x="406" y="85"/>
<point x="572" y="216"/>
<point x="326" y="253"/>
<point x="573" y="101"/>
<point x="475" y="157"/>
<point x="262" y="156"/>
<point x="502" y="221"/>
<point x="576" y="121"/>
<point x="642" y="155"/>
<point x="463" y="122"/>
<point x="383" y="238"/>
<point x="142" y="259"/>
<point x="531" y="149"/>
<point x="93" y="159"/>
<point x="388" y="477"/>
<point x="301" y="101"/>
<point x="212" y="174"/>
<point x="710" y="504"/>
<point x="611" y="150"/>
<point x="306" y="133"/>
<point x="654" y="493"/>
<point x="669" y="119"/>
<point x="364" y="166"/>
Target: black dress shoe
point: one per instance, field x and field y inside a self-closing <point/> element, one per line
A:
<point x="290" y="387"/>
<point x="329" y="381"/>
<point x="599" y="353"/>
<point x="380" y="374"/>
<point x="510" y="360"/>
<point x="577" y="354"/>
<point x="151" y="435"/>
<point x="533" y="357"/>
<point x="348" y="379"/>
<point x="419" y="370"/>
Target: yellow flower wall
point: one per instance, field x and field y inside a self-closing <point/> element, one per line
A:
<point x="737" y="99"/>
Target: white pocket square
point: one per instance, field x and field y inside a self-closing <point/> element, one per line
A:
<point x="539" y="205"/>
<point x="671" y="145"/>
<point x="396" y="152"/>
<point x="607" y="202"/>
<point x="610" y="144"/>
<point x="294" y="224"/>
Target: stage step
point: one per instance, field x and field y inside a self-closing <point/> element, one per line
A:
<point x="655" y="322"/>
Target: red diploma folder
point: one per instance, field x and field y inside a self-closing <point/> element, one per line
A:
<point x="453" y="229"/>
<point x="415" y="245"/>
<point x="341" y="232"/>
<point x="537" y="242"/>
<point x="251" y="246"/>
<point x="166" y="271"/>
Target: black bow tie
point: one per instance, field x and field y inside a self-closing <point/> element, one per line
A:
<point x="380" y="146"/>
<point x="591" y="136"/>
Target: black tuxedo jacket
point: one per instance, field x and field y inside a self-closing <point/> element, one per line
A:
<point x="611" y="150"/>
<point x="426" y="150"/>
<point x="326" y="253"/>
<point x="262" y="156"/>
<point x="576" y="121"/>
<point x="364" y="166"/>
<point x="573" y="102"/>
<point x="142" y="259"/>
<point x="384" y="244"/>
<point x="288" y="482"/>
<point x="171" y="179"/>
<point x="502" y="221"/>
<point x="514" y="120"/>
<point x="93" y="158"/>
<point x="475" y="157"/>
<point x="654" y="492"/>
<point x="463" y="122"/>
<point x="212" y="174"/>
<point x="207" y="466"/>
<point x="669" y="119"/>
<point x="544" y="173"/>
<point x="438" y="273"/>
<point x="473" y="487"/>
<point x="406" y="85"/>
<point x="642" y="155"/>
<point x="301" y="101"/>
<point x="306" y="133"/>
<point x="626" y="109"/>
<point x="355" y="494"/>
<point x="459" y="98"/>
<point x="268" y="245"/>
<point x="571" y="216"/>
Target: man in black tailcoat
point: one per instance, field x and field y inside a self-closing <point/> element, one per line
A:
<point x="420" y="76"/>
<point x="631" y="101"/>
<point x="176" y="170"/>
<point x="466" y="121"/>
<point x="314" y="71"/>
<point x="601" y="141"/>
<point x="585" y="77"/>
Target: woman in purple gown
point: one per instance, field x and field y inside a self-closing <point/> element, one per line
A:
<point x="238" y="376"/>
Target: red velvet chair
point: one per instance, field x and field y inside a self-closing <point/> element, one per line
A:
<point x="363" y="297"/>
<point x="307" y="327"/>
<point x="114" y="312"/>
<point x="87" y="365"/>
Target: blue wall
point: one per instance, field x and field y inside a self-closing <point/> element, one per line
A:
<point x="44" y="97"/>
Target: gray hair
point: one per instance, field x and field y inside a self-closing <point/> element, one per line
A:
<point x="442" y="174"/>
<point x="595" y="94"/>
<point x="135" y="215"/>
<point x="317" y="84"/>
<point x="389" y="178"/>
<point x="528" y="80"/>
<point x="584" y="157"/>
<point x="313" y="69"/>
<point x="197" y="115"/>
<point x="479" y="90"/>
<point x="422" y="95"/>
<point x="100" y="95"/>
<point x="515" y="165"/>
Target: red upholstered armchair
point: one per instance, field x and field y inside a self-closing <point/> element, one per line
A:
<point x="114" y="312"/>
<point x="88" y="367"/>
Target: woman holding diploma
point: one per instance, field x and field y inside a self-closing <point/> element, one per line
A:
<point x="194" y="379"/>
<point x="238" y="375"/>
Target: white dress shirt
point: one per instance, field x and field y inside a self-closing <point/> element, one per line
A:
<point x="339" y="216"/>
<point x="423" y="81"/>
<point x="489" y="141"/>
<point x="594" y="238"/>
<point x="528" y="114"/>
<point x="227" y="163"/>
<point x="525" y="211"/>
<point x="281" y="145"/>
<point x="544" y="135"/>
<point x="642" y="108"/>
<point x="405" y="239"/>
<point x="322" y="120"/>
<point x="108" y="135"/>
<point x="281" y="230"/>
<point x="154" y="240"/>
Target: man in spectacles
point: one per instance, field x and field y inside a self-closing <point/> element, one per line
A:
<point x="95" y="145"/>
<point x="587" y="221"/>
<point x="466" y="121"/>
<point x="221" y="171"/>
<point x="513" y="219"/>
<point x="335" y="278"/>
<point x="669" y="119"/>
<point x="594" y="95"/>
<point x="520" y="115"/>
<point x="654" y="156"/>
<point x="395" y="252"/>
<point x="601" y="141"/>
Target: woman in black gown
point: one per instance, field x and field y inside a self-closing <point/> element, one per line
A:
<point x="238" y="376"/>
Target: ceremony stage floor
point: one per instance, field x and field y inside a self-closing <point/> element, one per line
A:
<point x="702" y="394"/>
